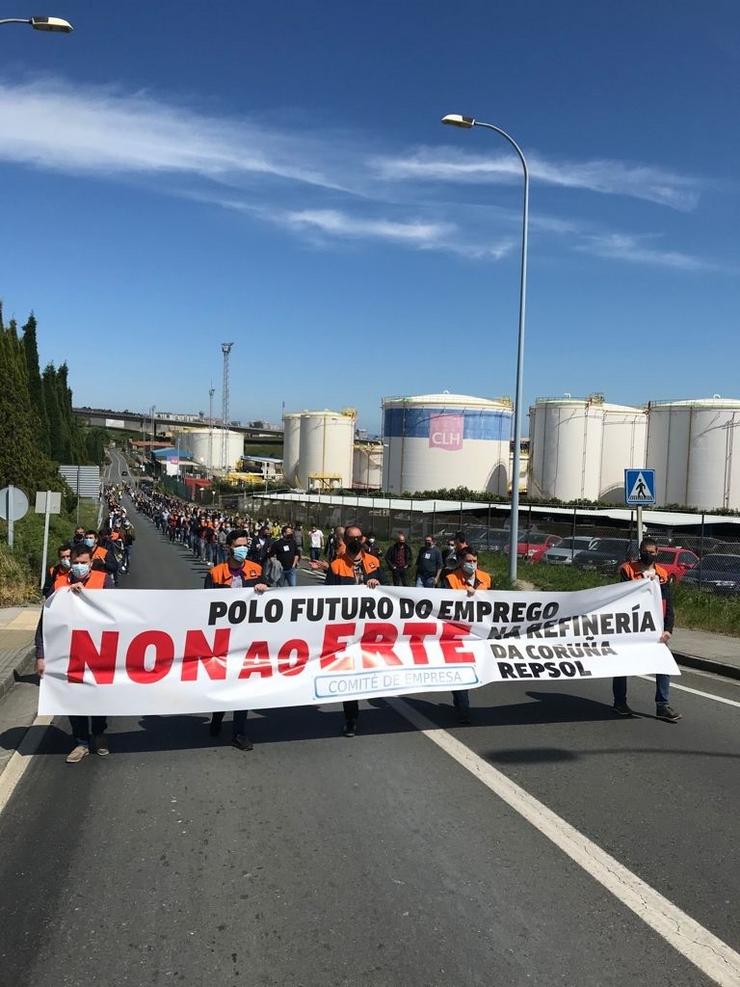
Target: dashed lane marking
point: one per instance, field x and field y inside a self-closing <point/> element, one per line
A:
<point x="714" y="958"/>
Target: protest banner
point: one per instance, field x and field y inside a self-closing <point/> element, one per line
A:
<point x="137" y="652"/>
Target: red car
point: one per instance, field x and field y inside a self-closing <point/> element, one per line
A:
<point x="532" y="547"/>
<point x="677" y="561"/>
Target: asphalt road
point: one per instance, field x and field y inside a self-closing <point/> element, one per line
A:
<point x="318" y="860"/>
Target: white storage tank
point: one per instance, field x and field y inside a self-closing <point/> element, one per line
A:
<point x="205" y="447"/>
<point x="326" y="447"/>
<point x="694" y="447"/>
<point x="367" y="469"/>
<point x="291" y="447"/>
<point x="624" y="446"/>
<point x="566" y="436"/>
<point x="440" y="441"/>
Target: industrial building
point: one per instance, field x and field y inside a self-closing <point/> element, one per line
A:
<point x="367" y="466"/>
<point x="694" y="447"/>
<point x="446" y="440"/>
<point x="205" y="446"/>
<point x="580" y="447"/>
<point x="318" y="449"/>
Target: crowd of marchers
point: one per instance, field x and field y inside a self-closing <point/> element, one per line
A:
<point x="242" y="552"/>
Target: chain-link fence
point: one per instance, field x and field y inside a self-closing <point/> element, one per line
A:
<point x="703" y="554"/>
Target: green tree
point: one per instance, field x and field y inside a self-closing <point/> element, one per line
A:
<point x="35" y="388"/>
<point x="18" y="451"/>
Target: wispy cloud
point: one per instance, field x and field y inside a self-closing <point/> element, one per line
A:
<point x="333" y="224"/>
<point x="636" y="249"/>
<point x="330" y="188"/>
<point x="53" y="125"/>
<point x="647" y="182"/>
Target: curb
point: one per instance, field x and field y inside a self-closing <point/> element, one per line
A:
<point x="708" y="665"/>
<point x="22" y="665"/>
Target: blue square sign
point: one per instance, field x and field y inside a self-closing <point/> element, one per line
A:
<point x="639" y="487"/>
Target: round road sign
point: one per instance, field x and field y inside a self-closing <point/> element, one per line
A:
<point x="13" y="503"/>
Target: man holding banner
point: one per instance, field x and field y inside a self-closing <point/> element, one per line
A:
<point x="80" y="577"/>
<point x="646" y="567"/>
<point x="467" y="576"/>
<point x="354" y="567"/>
<point x="237" y="572"/>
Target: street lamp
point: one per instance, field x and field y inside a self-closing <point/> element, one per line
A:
<point x="467" y="123"/>
<point x="56" y="24"/>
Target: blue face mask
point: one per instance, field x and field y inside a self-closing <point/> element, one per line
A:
<point x="80" y="570"/>
<point x="89" y="542"/>
<point x="240" y="553"/>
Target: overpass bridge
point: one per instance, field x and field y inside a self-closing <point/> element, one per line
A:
<point x="139" y="421"/>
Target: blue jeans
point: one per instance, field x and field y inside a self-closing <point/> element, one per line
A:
<point x="289" y="577"/>
<point x="662" y="685"/>
<point x="315" y="554"/>
<point x="425" y="582"/>
<point x="461" y="700"/>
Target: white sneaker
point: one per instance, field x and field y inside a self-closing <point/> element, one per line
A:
<point x="77" y="754"/>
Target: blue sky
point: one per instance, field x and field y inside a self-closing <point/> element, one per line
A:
<point x="177" y="174"/>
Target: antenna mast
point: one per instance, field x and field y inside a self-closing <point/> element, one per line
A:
<point x="226" y="350"/>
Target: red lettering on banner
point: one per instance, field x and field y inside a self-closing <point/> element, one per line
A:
<point x="449" y="642"/>
<point x="416" y="632"/>
<point x="335" y="636"/>
<point x="82" y="652"/>
<point x="286" y="666"/>
<point x="377" y="643"/>
<point x="197" y="649"/>
<point x="256" y="661"/>
<point x="164" y="655"/>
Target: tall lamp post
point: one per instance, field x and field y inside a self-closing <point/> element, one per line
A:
<point x="455" y="120"/>
<point x="55" y="24"/>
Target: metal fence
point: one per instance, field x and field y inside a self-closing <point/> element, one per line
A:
<point x="702" y="555"/>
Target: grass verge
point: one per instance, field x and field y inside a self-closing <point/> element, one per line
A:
<point x="20" y="570"/>
<point x="695" y="610"/>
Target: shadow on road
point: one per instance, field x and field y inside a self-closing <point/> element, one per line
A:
<point x="550" y="707"/>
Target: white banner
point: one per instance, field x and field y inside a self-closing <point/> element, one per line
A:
<point x="137" y="652"/>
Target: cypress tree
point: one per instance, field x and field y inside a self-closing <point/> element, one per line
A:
<point x="35" y="389"/>
<point x="53" y="413"/>
<point x="19" y="457"/>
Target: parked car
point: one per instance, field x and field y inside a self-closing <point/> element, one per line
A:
<point x="567" y="550"/>
<point x="492" y="540"/>
<point x="606" y="554"/>
<point x="533" y="545"/>
<point x="715" y="573"/>
<point x="676" y="561"/>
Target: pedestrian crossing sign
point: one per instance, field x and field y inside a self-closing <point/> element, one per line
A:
<point x="639" y="487"/>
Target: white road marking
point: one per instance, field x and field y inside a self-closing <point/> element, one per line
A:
<point x="21" y="759"/>
<point x="708" y="953"/>
<point x="695" y="692"/>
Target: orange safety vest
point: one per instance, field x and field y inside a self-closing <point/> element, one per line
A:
<point x="634" y="570"/>
<point x="458" y="580"/>
<point x="99" y="552"/>
<point x="343" y="571"/>
<point x="221" y="574"/>
<point x="95" y="580"/>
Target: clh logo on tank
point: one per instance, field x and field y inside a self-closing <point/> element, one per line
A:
<point x="446" y="432"/>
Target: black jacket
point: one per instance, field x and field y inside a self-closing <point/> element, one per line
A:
<point x="257" y="552"/>
<point x="404" y="554"/>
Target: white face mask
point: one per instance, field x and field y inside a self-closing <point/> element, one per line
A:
<point x="65" y="562"/>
